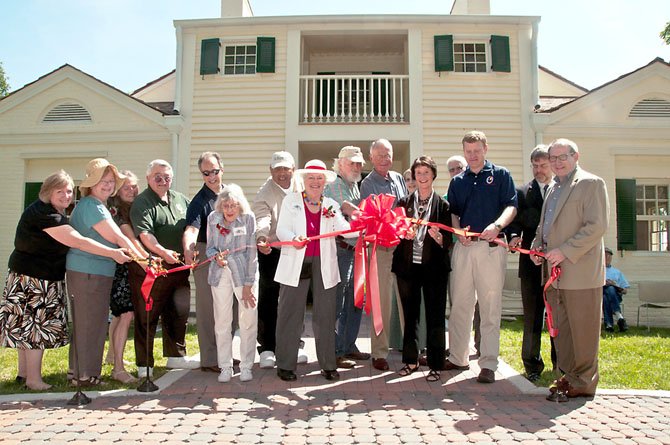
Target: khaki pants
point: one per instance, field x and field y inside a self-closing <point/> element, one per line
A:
<point x="577" y="317"/>
<point x="387" y="283"/>
<point x="477" y="275"/>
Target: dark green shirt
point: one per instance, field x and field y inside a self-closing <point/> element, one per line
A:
<point x="165" y="221"/>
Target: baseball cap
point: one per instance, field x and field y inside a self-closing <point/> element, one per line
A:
<point x="282" y="159"/>
<point x="352" y="153"/>
<point x="608" y="250"/>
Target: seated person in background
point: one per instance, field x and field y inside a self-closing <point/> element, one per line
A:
<point x="615" y="287"/>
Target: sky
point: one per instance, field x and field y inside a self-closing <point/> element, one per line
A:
<point x="128" y="43"/>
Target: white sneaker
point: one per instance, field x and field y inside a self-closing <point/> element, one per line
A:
<point x="267" y="360"/>
<point x="226" y="375"/>
<point x="142" y="372"/>
<point x="302" y="356"/>
<point x="246" y="375"/>
<point x="182" y="363"/>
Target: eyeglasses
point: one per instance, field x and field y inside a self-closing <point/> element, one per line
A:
<point x="214" y="172"/>
<point x="563" y="157"/>
<point x="110" y="182"/>
<point x="456" y="169"/>
<point x="159" y="179"/>
<point x="233" y="206"/>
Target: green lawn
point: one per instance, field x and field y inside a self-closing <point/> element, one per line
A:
<point x="56" y="362"/>
<point x="636" y="359"/>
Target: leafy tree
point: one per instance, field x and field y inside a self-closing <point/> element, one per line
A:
<point x="4" y="86"/>
<point x="665" y="34"/>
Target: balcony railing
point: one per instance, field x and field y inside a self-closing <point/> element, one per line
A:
<point x="378" y="99"/>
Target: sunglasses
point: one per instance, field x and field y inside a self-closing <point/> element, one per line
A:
<point x="159" y="179"/>
<point x="214" y="172"/>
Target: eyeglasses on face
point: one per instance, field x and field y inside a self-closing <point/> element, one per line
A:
<point x="455" y="169"/>
<point x="160" y="179"/>
<point x="563" y="157"/>
<point x="214" y="172"/>
<point x="231" y="206"/>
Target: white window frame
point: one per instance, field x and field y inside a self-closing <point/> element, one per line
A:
<point x="235" y="44"/>
<point x="473" y="41"/>
<point x="655" y="237"/>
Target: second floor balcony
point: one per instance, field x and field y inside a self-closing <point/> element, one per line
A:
<point x="353" y="99"/>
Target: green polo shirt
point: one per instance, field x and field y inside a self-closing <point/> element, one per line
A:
<point x="164" y="220"/>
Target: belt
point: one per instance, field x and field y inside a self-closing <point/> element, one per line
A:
<point x="345" y="245"/>
<point x="491" y="244"/>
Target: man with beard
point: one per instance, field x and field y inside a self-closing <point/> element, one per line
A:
<point x="344" y="190"/>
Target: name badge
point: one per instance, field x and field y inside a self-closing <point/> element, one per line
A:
<point x="238" y="231"/>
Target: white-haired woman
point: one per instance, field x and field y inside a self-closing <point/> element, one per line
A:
<point x="302" y="215"/>
<point x="33" y="313"/>
<point x="231" y="239"/>
<point x="90" y="277"/>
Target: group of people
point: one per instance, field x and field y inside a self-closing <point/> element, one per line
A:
<point x="255" y="263"/>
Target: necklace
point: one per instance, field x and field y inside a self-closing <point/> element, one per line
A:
<point x="422" y="206"/>
<point x="306" y="199"/>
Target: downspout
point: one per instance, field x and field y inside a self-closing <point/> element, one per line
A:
<point x="178" y="68"/>
<point x="535" y="75"/>
<point x="174" y="136"/>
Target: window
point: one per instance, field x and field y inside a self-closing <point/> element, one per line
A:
<point x="239" y="59"/>
<point x="651" y="209"/>
<point x="470" y="57"/>
<point x="473" y="56"/>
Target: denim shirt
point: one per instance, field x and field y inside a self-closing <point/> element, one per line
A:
<point x="239" y="238"/>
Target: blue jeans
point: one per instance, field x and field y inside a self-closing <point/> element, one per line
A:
<point x="611" y="304"/>
<point x="348" y="316"/>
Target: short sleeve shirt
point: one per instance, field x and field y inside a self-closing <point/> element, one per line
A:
<point x="479" y="198"/>
<point x="376" y="184"/>
<point x="36" y="254"/>
<point x="87" y="213"/>
<point x="164" y="220"/>
<point x="198" y="211"/>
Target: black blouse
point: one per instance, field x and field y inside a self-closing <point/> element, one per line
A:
<point x="36" y="253"/>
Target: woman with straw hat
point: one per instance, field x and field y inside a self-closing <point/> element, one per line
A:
<point x="89" y="277"/>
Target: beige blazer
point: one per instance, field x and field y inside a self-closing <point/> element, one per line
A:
<point x="292" y="222"/>
<point x="581" y="219"/>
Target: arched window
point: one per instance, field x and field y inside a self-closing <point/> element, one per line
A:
<point x="651" y="108"/>
<point x="67" y="112"/>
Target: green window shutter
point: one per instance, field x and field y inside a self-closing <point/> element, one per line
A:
<point x="32" y="191"/>
<point x="209" y="56"/>
<point x="444" y="53"/>
<point x="500" y="54"/>
<point x="265" y="55"/>
<point x="626" y="215"/>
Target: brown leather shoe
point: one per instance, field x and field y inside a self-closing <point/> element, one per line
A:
<point x="380" y="364"/>
<point x="486" y="376"/>
<point x="357" y="355"/>
<point x="345" y="363"/>
<point x="573" y="392"/>
<point x="449" y="366"/>
<point x="214" y="368"/>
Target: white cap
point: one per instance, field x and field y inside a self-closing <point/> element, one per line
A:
<point x="282" y="159"/>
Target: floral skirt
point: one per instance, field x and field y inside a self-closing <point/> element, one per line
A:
<point x="120" y="301"/>
<point x="33" y="313"/>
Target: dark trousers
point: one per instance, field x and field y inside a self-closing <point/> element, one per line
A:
<point x="172" y="302"/>
<point x="434" y="288"/>
<point x="533" y="319"/>
<point x="268" y="298"/>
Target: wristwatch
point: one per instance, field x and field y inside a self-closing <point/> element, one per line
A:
<point x="498" y="226"/>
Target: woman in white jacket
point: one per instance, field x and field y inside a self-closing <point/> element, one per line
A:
<point x="306" y="214"/>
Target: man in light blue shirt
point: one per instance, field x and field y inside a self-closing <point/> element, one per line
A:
<point x="615" y="287"/>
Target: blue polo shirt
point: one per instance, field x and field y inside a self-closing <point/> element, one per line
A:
<point x="199" y="209"/>
<point x="478" y="199"/>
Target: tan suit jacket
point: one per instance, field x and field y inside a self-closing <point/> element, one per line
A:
<point x="580" y="220"/>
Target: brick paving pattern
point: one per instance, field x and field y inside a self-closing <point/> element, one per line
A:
<point x="365" y="407"/>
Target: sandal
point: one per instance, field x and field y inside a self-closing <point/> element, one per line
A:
<point x="407" y="370"/>
<point x="124" y="377"/>
<point x="433" y="376"/>
<point x="87" y="383"/>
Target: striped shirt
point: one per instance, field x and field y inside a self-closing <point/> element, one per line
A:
<point x="239" y="238"/>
